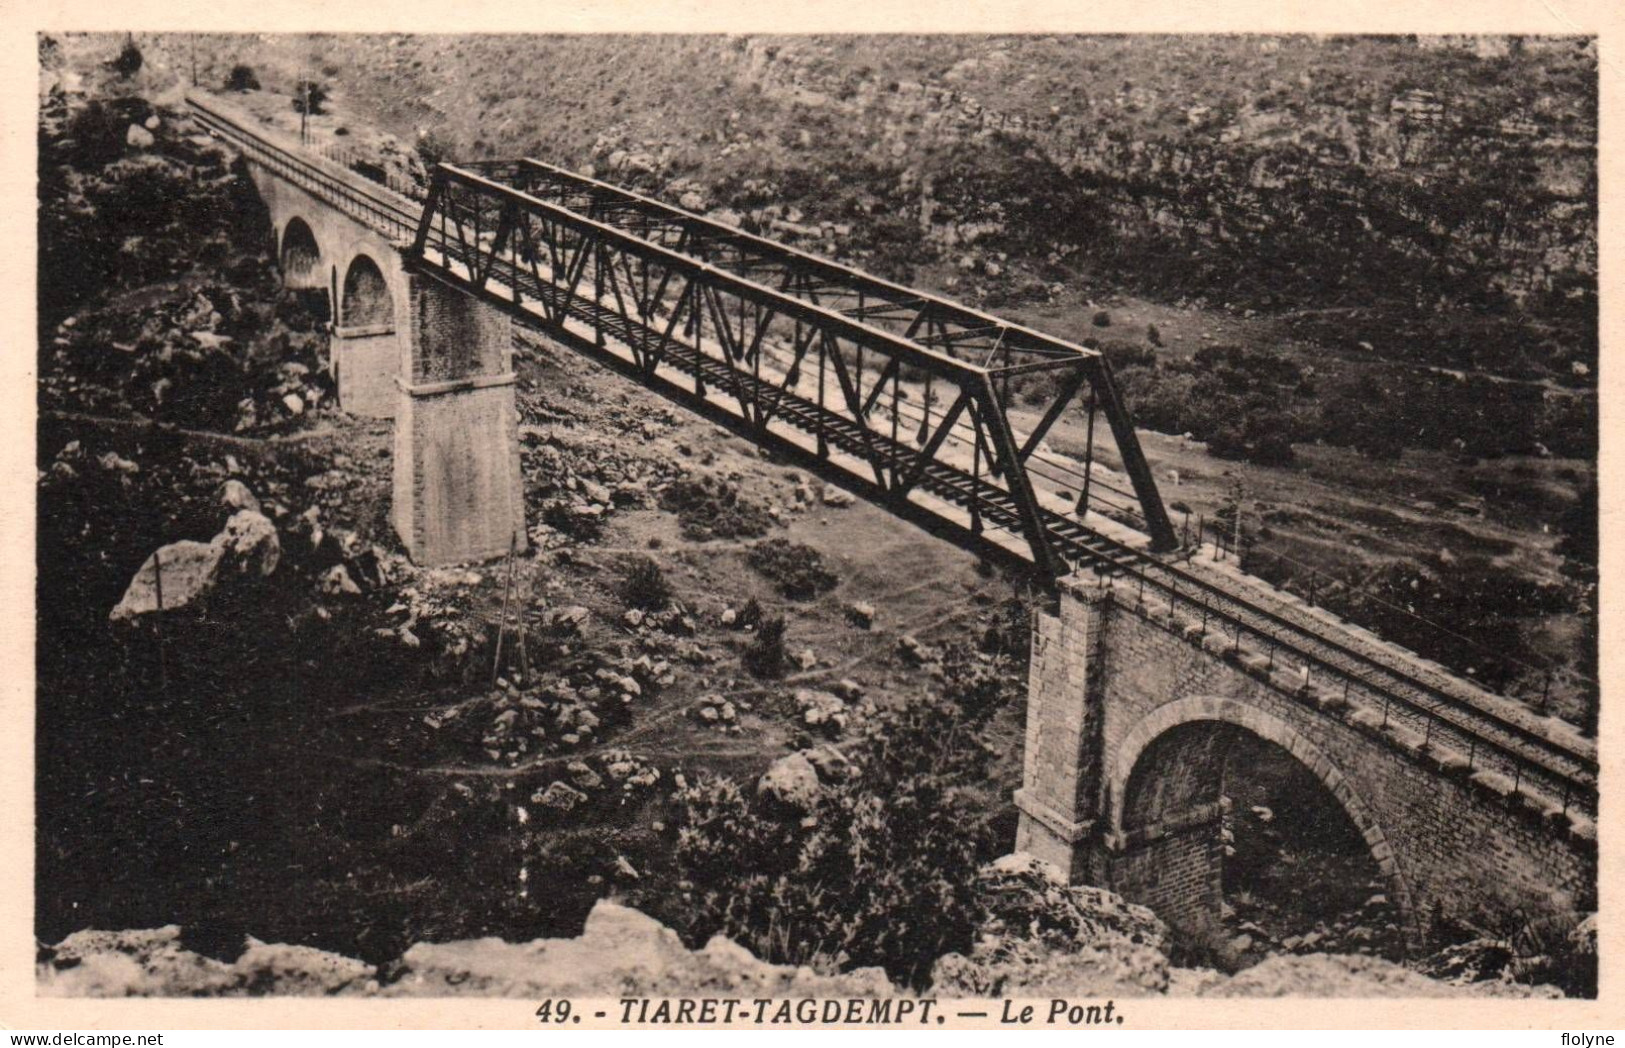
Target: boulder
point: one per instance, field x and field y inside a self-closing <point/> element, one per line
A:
<point x="113" y="462"/>
<point x="567" y="620"/>
<point x="792" y="781"/>
<point x="847" y="689"/>
<point x="620" y="952"/>
<point x="837" y="498"/>
<point x="861" y="614"/>
<point x="336" y="581"/>
<point x="187" y="571"/>
<point x="820" y="709"/>
<point x="250" y="542"/>
<point x="190" y="569"/>
<point x="138" y="137"/>
<point x="583" y="776"/>
<point x="1043" y="938"/>
<point x="234" y="495"/>
<point x="1354" y="975"/>
<point x="138" y="963"/>
<point x="301" y="971"/>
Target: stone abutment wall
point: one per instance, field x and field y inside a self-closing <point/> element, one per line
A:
<point x="1127" y="713"/>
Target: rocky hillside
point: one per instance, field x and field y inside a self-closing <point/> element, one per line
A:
<point x="1093" y="944"/>
<point x="320" y="744"/>
<point x="1411" y="194"/>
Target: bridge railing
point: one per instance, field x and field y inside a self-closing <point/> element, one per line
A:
<point x="918" y="419"/>
<point x="393" y="215"/>
<point x="646" y="291"/>
<point x="1465" y="736"/>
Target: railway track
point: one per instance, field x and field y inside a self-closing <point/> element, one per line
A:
<point x="1448" y="715"/>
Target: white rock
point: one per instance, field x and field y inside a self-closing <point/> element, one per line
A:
<point x="792" y="781"/>
<point x="234" y="495"/>
<point x="187" y="571"/>
<point x="336" y="581"/>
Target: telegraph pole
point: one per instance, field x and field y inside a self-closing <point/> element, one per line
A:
<point x="1241" y="491"/>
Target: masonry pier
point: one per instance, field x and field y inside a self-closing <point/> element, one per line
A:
<point x="459" y="495"/>
<point x="1133" y="711"/>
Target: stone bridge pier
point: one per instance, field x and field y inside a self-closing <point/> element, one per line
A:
<point x="1132" y="720"/>
<point x="362" y="277"/>
<point x="458" y="491"/>
<point x="405" y="345"/>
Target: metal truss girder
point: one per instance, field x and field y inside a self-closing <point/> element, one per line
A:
<point x="1018" y="337"/>
<point x="832" y="320"/>
<point x="724" y="309"/>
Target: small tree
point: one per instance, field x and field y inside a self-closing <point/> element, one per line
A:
<point x="129" y="60"/>
<point x="97" y="135"/>
<point x="765" y="656"/>
<point x="308" y="96"/>
<point x="242" y="78"/>
<point x="646" y="586"/>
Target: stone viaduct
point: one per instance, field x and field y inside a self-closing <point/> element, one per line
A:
<point x="406" y="346"/>
<point x="1133" y="705"/>
<point x="1132" y="708"/>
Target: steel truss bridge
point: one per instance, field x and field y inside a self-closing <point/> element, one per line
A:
<point x="904" y="396"/>
<point x="907" y="393"/>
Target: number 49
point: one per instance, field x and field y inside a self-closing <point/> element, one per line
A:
<point x="553" y="1012"/>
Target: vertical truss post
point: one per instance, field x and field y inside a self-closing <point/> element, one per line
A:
<point x="1088" y="457"/>
<point x="1157" y="523"/>
<point x="823" y="376"/>
<point x="1021" y="489"/>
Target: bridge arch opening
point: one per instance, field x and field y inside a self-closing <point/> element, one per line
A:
<point x="300" y="257"/>
<point x="366" y="301"/>
<point x="1252" y="841"/>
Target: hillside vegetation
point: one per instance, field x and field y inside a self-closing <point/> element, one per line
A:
<point x="712" y="686"/>
<point x="1415" y="195"/>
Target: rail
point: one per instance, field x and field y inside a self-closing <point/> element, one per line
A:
<point x="1397" y="691"/>
<point x="388" y="212"/>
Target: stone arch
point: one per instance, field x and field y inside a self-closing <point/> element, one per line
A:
<point x="365" y="300"/>
<point x="1132" y="798"/>
<point x="300" y="255"/>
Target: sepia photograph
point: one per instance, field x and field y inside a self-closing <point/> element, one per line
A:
<point x="1103" y="518"/>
